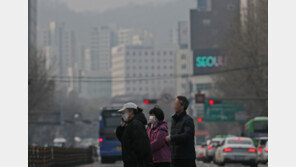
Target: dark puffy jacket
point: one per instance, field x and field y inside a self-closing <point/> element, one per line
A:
<point x="136" y="151"/>
<point x="182" y="137"/>
<point x="160" y="148"/>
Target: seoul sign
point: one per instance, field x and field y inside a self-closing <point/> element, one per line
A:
<point x="209" y="61"/>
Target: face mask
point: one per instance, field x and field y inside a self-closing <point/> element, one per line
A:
<point x="152" y="119"/>
<point x="125" y="117"/>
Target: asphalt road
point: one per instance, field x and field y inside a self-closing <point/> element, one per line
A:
<point x="198" y="164"/>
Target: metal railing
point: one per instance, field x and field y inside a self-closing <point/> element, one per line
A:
<point x="55" y="156"/>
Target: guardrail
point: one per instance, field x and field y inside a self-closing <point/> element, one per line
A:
<point x="55" y="156"/>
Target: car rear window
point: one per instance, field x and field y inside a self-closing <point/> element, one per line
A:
<point x="247" y="142"/>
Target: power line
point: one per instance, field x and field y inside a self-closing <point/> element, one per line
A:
<point x="123" y="79"/>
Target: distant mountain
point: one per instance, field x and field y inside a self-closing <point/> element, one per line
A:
<point x="157" y="19"/>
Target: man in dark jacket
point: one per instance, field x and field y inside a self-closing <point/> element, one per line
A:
<point x="136" y="151"/>
<point x="182" y="136"/>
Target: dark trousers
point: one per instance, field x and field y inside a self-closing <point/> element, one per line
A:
<point x="162" y="164"/>
<point x="183" y="163"/>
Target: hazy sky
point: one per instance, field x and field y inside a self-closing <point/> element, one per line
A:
<point x="105" y="5"/>
<point x="156" y="16"/>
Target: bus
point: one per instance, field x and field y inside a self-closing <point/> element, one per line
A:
<point x="256" y="128"/>
<point x="110" y="146"/>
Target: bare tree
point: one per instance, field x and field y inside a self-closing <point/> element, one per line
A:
<point x="246" y="52"/>
<point x="41" y="88"/>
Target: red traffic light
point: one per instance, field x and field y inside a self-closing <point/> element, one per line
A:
<point x="199" y="119"/>
<point x="211" y="102"/>
<point x="150" y="101"/>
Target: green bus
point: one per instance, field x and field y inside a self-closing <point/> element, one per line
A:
<point x="256" y="128"/>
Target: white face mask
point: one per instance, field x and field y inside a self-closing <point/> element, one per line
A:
<point x="152" y="119"/>
<point x="125" y="117"/>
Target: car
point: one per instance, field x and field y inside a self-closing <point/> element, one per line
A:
<point x="59" y="142"/>
<point x="264" y="154"/>
<point x="211" y="148"/>
<point x="200" y="152"/>
<point x="261" y="150"/>
<point x="236" y="150"/>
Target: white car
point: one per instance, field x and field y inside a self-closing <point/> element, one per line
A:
<point x="264" y="154"/>
<point x="236" y="150"/>
<point x="261" y="152"/>
<point x="200" y="152"/>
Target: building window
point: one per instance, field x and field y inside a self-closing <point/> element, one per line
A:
<point x="152" y="67"/>
<point x="140" y="67"/>
<point x="146" y="53"/>
<point x="158" y="53"/>
<point x="171" y="53"/>
<point x="140" y="53"/>
<point x="183" y="57"/>
<point x="203" y="86"/>
<point x="230" y="7"/>
<point x="206" y="22"/>
<point x="183" y="66"/>
<point x="127" y="53"/>
<point x="134" y="53"/>
<point x="165" y="67"/>
<point x="164" y="53"/>
<point x="152" y="53"/>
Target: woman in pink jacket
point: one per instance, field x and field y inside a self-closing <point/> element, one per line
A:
<point x="157" y="131"/>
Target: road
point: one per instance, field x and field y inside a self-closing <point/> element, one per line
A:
<point x="198" y="164"/>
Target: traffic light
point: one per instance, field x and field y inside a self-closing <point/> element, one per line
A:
<point x="199" y="119"/>
<point x="199" y="98"/>
<point x="150" y="101"/>
<point x="214" y="101"/>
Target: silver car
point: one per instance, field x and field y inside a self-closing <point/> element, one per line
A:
<point x="264" y="154"/>
<point x="236" y="150"/>
<point x="211" y="148"/>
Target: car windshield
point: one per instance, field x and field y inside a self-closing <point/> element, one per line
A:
<point x="216" y="142"/>
<point x="263" y="142"/>
<point x="241" y="141"/>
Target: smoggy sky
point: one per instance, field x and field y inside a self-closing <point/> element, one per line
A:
<point x="105" y="5"/>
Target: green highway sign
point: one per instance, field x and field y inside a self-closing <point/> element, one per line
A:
<point x="223" y="112"/>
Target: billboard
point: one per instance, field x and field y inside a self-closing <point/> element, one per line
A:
<point x="206" y="61"/>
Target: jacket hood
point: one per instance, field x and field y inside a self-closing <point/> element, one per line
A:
<point x="141" y="117"/>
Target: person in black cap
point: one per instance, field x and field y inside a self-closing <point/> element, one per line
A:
<point x="136" y="151"/>
<point x="182" y="136"/>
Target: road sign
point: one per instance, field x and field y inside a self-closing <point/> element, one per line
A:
<point x="199" y="98"/>
<point x="224" y="112"/>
